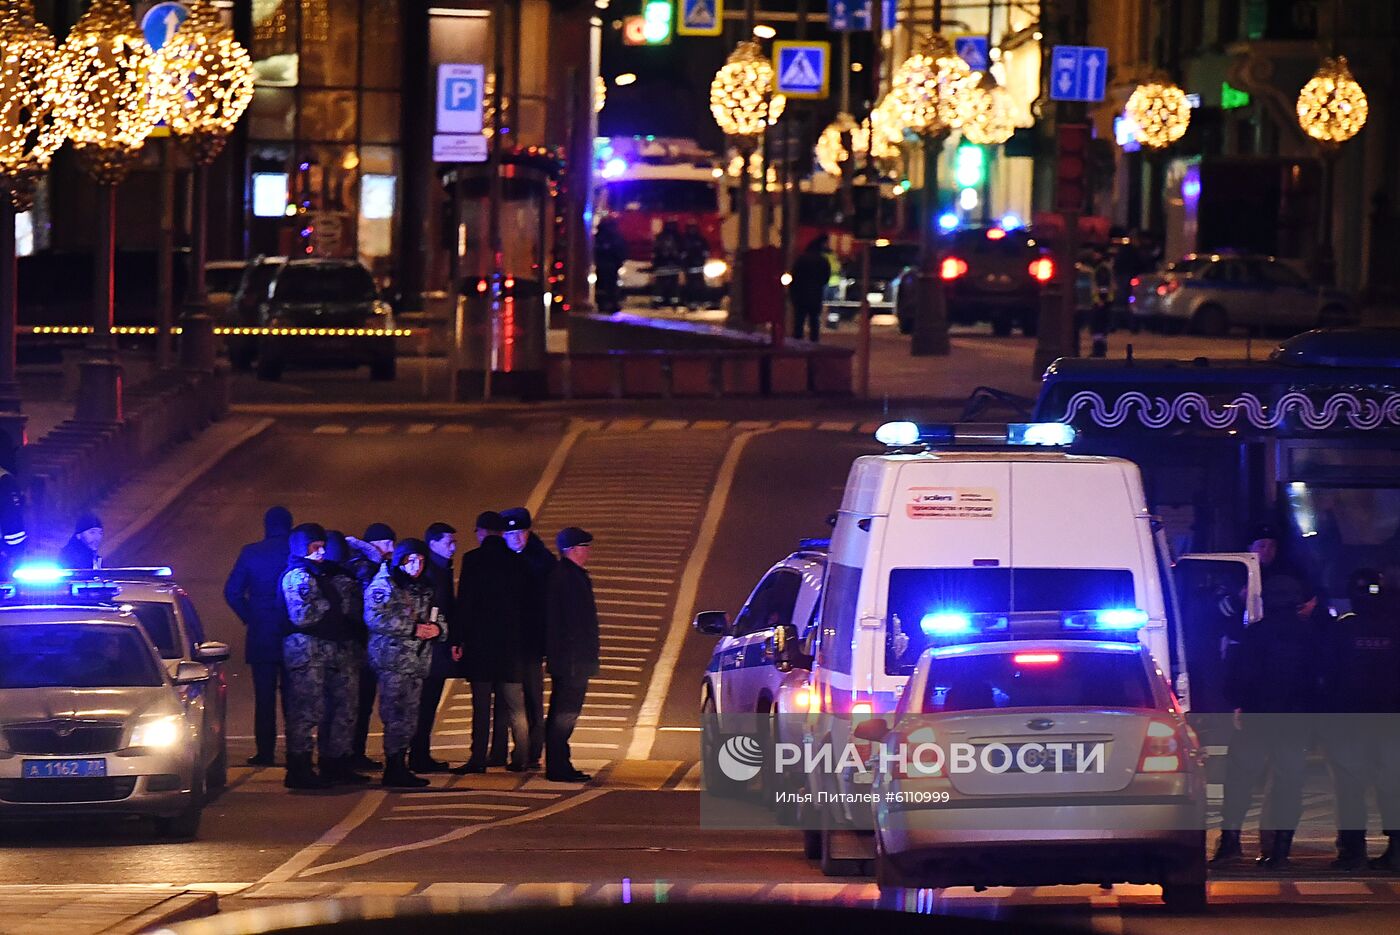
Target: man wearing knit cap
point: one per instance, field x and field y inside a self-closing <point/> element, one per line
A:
<point x="83" y="549"/>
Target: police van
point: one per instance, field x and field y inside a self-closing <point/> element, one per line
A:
<point x="970" y="534"/>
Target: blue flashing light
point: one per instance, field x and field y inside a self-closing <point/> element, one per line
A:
<point x="1011" y="222"/>
<point x="946" y="623"/>
<point x="822" y="543"/>
<point x="614" y="167"/>
<point x="40" y="573"/>
<point x="1120" y="618"/>
<point x="948" y="221"/>
<point x="898" y="434"/>
<point x="1054" y="434"/>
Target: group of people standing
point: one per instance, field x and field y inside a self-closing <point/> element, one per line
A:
<point x="334" y="620"/>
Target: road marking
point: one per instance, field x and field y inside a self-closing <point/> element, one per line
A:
<point x="337" y="833"/>
<point x="458" y="428"/>
<point x="583" y="798"/>
<point x="373" y="430"/>
<point x="422" y="428"/>
<point x="617" y="602"/>
<point x="644" y="735"/>
<point x="837" y="426"/>
<point x="330" y="430"/>
<point x="629" y="627"/>
<point x="552" y="469"/>
<point x="483" y="806"/>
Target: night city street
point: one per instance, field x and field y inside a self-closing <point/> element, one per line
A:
<point x="671" y="464"/>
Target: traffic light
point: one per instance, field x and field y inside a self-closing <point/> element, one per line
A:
<point x="1071" y="165"/>
<point x="970" y="166"/>
<point x="865" y="221"/>
<point x="657" y="19"/>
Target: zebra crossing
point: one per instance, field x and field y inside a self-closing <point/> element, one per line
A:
<point x="627" y="425"/>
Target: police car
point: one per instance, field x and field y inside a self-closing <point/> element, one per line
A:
<point x="1040" y="762"/>
<point x="92" y="719"/>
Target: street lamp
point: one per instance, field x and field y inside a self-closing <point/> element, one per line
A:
<point x="28" y="138"/>
<point x="204" y="79"/>
<point x="743" y="104"/>
<point x="931" y="92"/>
<point x="1332" y="108"/>
<point x="1161" y="113"/>
<point x="101" y="92"/>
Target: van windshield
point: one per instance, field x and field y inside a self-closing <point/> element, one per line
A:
<point x="918" y="592"/>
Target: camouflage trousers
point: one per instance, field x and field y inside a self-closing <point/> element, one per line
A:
<point x="323" y="687"/>
<point x="399" y="697"/>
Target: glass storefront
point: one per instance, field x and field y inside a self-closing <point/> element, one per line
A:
<point x="324" y="131"/>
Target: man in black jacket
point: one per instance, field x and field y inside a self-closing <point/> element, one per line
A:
<point x="523" y="541"/>
<point x="442" y="546"/>
<point x="82" y="550"/>
<point x="809" y="278"/>
<point x="1278" y="674"/>
<point x="492" y="596"/>
<point x="571" y="647"/>
<point x="254" y="592"/>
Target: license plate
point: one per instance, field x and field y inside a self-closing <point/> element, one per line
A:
<point x="1045" y="759"/>
<point x="63" y="769"/>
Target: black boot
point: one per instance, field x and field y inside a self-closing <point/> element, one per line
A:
<point x="1390" y="858"/>
<point x="300" y="775"/>
<point x="398" y="775"/>
<point x="1227" y="848"/>
<point x="365" y="764"/>
<point x="423" y="762"/>
<point x="341" y="773"/>
<point x="1351" y="851"/>
<point x="1276" y="858"/>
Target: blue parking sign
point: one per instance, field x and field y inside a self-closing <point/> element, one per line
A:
<point x="802" y="68"/>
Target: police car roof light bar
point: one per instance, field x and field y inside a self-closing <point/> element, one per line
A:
<point x="40" y="573"/>
<point x="906" y="434"/>
<point x="108" y="574"/>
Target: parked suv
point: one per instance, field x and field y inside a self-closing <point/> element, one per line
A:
<point x="339" y="300"/>
<point x="989" y="274"/>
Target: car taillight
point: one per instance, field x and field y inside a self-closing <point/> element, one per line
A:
<point x="802" y="698"/>
<point x="1135" y="281"/>
<point x="1036" y="659"/>
<point x="1162" y="750"/>
<point x="1168" y="287"/>
<point x="925" y="763"/>
<point x="1042" y="269"/>
<point x="952" y="267"/>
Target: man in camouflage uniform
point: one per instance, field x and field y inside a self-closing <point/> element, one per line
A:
<point x="337" y="736"/>
<point x="316" y="658"/>
<point x="400" y="614"/>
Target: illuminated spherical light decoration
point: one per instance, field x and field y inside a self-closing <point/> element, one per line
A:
<point x="831" y="152"/>
<point x="28" y="134"/>
<point x="930" y="88"/>
<point x="1332" y="107"/>
<point x="776" y="107"/>
<point x="886" y="128"/>
<point x="203" y="78"/>
<point x="600" y="93"/>
<point x="741" y="92"/>
<point x="1160" y="111"/>
<point x="100" y="87"/>
<point x="988" y="114"/>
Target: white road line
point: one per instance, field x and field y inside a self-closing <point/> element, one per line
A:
<point x="583" y="798"/>
<point x="647" y="580"/>
<point x="552" y="469"/>
<point x="330" y="430"/>
<point x="594" y="746"/>
<point x="308" y="855"/>
<point x="629" y="627"/>
<point x="617" y="602"/>
<point x="373" y="430"/>
<point x="593" y="694"/>
<point x="482" y="806"/>
<point x="495" y="793"/>
<point x="651" y="591"/>
<point x="619" y="668"/>
<point x="629" y="616"/>
<point x="644" y="737"/>
<point x="633" y="639"/>
<point x="456" y="816"/>
<point x="613" y="682"/>
<point x="601" y="717"/>
<point x="422" y="428"/>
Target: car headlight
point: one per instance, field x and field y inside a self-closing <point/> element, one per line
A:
<point x="382" y="308"/>
<point x="714" y="269"/>
<point x="158" y="733"/>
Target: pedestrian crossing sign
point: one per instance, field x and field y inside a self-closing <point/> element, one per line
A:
<point x="701" y="18"/>
<point x="802" y="68"/>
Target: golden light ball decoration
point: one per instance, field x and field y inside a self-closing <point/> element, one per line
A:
<point x="1161" y="113"/>
<point x="203" y="77"/>
<point x="831" y="150"/>
<point x="1332" y="107"/>
<point x="930" y="88"/>
<point x="741" y="94"/>
<point x="29" y="134"/>
<point x="988" y="120"/>
<point x="886" y="130"/>
<point x="101" y="91"/>
<point x="600" y="93"/>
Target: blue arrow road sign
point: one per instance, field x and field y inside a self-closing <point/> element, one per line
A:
<point x="973" y="50"/>
<point x="801" y="68"/>
<point x="848" y="15"/>
<point x="1078" y="73"/>
<point x="161" y="21"/>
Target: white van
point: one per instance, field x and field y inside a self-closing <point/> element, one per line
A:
<point x="964" y="545"/>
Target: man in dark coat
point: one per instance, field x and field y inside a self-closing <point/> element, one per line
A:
<point x="523" y="541"/>
<point x="437" y="573"/>
<point x="492" y="596"/>
<point x="809" y="278"/>
<point x="571" y="645"/>
<point x="254" y="592"/>
<point x="82" y="550"/>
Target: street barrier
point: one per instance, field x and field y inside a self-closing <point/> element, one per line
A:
<point x="672" y="374"/>
<point x="77" y="463"/>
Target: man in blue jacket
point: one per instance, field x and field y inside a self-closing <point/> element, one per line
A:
<point x="254" y="591"/>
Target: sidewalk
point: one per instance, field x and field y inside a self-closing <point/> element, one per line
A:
<point x="79" y="909"/>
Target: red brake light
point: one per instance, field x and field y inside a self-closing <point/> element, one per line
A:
<point x="952" y="267"/>
<point x="1042" y="269"/>
<point x="1135" y="281"/>
<point x="995" y="233"/>
<point x="1161" y="750"/>
<point x="1036" y="659"/>
<point x="1169" y="286"/>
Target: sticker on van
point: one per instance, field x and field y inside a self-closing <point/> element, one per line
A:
<point x="951" y="503"/>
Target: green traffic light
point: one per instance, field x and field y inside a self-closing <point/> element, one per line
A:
<point x="970" y="166"/>
<point x="656" y="22"/>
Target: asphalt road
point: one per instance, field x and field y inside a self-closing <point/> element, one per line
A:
<point x="688" y="515"/>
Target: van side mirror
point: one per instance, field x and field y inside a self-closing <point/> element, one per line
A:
<point x="187" y="673"/>
<point x="873" y="730"/>
<point x="712" y="623"/>
<point x="784" y="649"/>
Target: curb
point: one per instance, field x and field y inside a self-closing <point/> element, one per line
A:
<point x="181" y="907"/>
<point x="164" y="502"/>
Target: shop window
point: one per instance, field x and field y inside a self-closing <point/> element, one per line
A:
<point x="381" y="117"/>
<point x="328" y="116"/>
